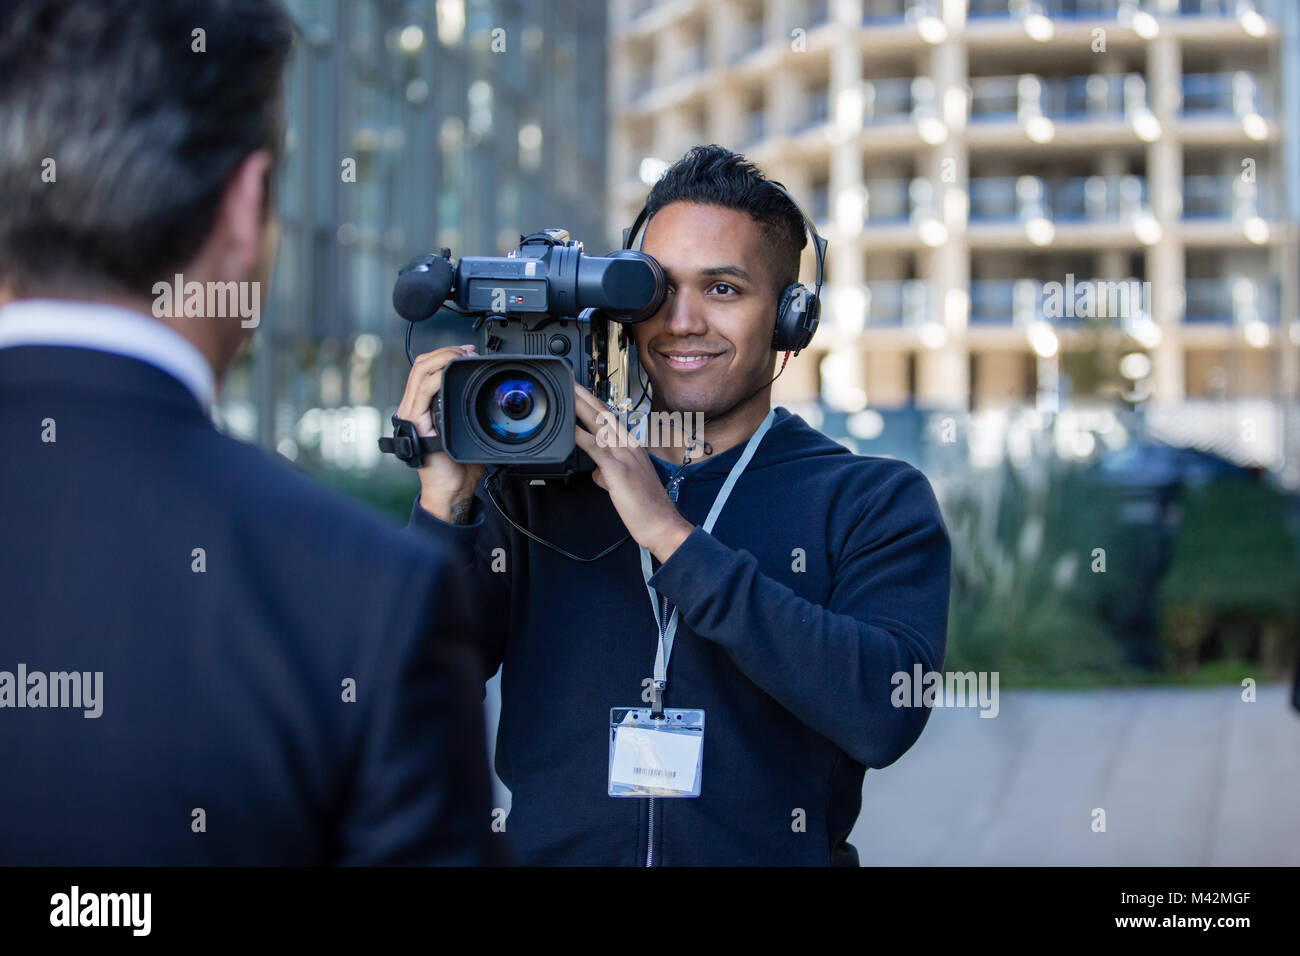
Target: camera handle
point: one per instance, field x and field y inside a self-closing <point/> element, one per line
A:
<point x="408" y="445"/>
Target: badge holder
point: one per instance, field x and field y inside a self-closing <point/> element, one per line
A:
<point x="655" y="756"/>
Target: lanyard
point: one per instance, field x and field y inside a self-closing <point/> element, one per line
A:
<point x="667" y="632"/>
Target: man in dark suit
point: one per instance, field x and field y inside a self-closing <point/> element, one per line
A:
<point x="204" y="658"/>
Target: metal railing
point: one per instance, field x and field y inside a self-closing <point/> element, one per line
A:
<point x="889" y="201"/>
<point x="1089" y="97"/>
<point x="1224" y="94"/>
<point x="896" y="303"/>
<point x="1067" y="302"/>
<point x="815" y="110"/>
<point x="1235" y="300"/>
<point x="1078" y="199"/>
<point x="1223" y="197"/>
<point x="887" y="100"/>
<point x="1111" y="9"/>
<point x="747" y="37"/>
<point x="1231" y="299"/>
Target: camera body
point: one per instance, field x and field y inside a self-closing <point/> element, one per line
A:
<point x="513" y="404"/>
<point x="548" y="315"/>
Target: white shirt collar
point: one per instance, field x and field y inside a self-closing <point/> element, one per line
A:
<point x="108" y="328"/>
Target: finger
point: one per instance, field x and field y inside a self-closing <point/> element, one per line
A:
<point x="601" y="422"/>
<point x="586" y="397"/>
<point x="581" y="406"/>
<point x="440" y="357"/>
<point x="597" y="415"/>
<point x="436" y="361"/>
<point x="421" y="388"/>
<point x="425" y="381"/>
<point x="587" y="416"/>
<point x="591" y="445"/>
<point x="586" y="440"/>
<point x="588" y="401"/>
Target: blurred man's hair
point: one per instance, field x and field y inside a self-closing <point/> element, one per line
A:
<point x="713" y="175"/>
<point x="144" y="132"/>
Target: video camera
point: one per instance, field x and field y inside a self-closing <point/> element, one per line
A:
<point x="549" y="315"/>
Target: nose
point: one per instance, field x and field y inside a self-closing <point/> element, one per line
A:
<point x="685" y="315"/>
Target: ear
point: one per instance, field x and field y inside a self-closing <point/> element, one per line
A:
<point x="241" y="216"/>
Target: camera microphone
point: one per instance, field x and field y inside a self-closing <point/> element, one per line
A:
<point x="423" y="286"/>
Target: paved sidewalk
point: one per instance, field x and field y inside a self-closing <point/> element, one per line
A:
<point x="1187" y="777"/>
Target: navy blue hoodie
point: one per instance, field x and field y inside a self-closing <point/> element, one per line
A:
<point x="826" y="574"/>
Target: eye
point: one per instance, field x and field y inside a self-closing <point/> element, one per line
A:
<point x="724" y="285"/>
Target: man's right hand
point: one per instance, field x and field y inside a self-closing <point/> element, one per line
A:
<point x="446" y="487"/>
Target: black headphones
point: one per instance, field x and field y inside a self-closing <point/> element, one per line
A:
<point x="799" y="310"/>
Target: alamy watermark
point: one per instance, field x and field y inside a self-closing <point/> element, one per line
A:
<point x="75" y="689"/>
<point x="1095" y="298"/>
<point x="75" y="908"/>
<point x="213" y="300"/>
<point x="949" y="689"/>
<point x="661" y="429"/>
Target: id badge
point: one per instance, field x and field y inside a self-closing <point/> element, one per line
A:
<point x="651" y="757"/>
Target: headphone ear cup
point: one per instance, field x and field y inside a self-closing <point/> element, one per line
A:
<point x="810" y="321"/>
<point x="788" y="331"/>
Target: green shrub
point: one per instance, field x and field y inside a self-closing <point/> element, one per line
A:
<point x="1233" y="581"/>
<point x="389" y="491"/>
<point x="1024" y="596"/>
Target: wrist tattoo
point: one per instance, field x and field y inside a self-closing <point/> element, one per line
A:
<point x="460" y="511"/>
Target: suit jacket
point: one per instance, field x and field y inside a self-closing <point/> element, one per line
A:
<point x="284" y="678"/>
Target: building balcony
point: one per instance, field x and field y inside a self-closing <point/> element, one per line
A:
<point x="1056" y="9"/>
<point x="888" y="101"/>
<point x="1219" y="8"/>
<point x="754" y="129"/>
<point x="693" y="59"/>
<point x="1071" y="99"/>
<point x="808" y="15"/>
<point x="1226" y="198"/>
<point x="1082" y="213"/>
<point x="815" y="111"/>
<point x="1232" y="300"/>
<point x="746" y="39"/>
<point x="819" y="203"/>
<point x="1034" y="315"/>
<point x="883" y="13"/>
<point x="1081" y="199"/>
<point x="1237" y="94"/>
<point x="1110" y="9"/>
<point x="896" y="303"/>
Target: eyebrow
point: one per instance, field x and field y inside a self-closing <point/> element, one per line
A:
<point x="728" y="270"/>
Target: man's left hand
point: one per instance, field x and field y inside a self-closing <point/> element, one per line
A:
<point x="624" y="469"/>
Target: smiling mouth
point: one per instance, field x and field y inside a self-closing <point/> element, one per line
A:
<point x="688" y="361"/>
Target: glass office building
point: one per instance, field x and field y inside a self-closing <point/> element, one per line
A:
<point x="412" y="126"/>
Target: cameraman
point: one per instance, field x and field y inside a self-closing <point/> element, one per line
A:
<point x="825" y="573"/>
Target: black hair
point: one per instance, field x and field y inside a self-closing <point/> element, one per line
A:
<point x="714" y="175"/>
<point x="120" y="127"/>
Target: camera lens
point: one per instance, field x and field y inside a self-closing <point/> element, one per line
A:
<point x="512" y="406"/>
<point x="515" y="399"/>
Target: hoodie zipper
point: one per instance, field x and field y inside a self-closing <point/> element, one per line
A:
<point x="673" y="487"/>
<point x="650" y="833"/>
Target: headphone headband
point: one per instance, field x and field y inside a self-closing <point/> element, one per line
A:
<point x="819" y="244"/>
